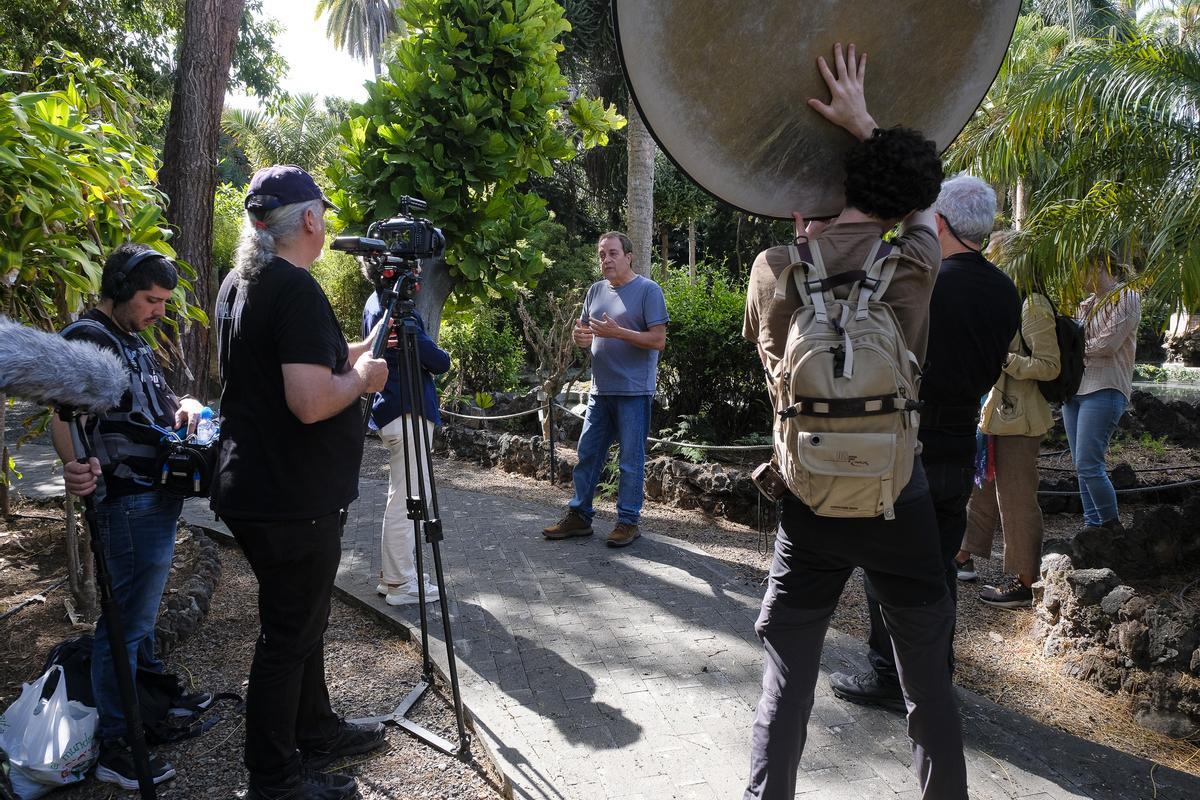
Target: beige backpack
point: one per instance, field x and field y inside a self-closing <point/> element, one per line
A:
<point x="845" y="391"/>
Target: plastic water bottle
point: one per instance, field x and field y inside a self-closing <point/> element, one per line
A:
<point x="206" y="429"/>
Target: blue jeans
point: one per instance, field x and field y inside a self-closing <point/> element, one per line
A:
<point x="138" y="534"/>
<point x="1090" y="420"/>
<point x="625" y="419"/>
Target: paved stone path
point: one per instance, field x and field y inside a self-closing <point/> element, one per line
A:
<point x="619" y="674"/>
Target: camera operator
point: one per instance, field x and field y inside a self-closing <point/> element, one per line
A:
<point x="137" y="523"/>
<point x="392" y="414"/>
<point x="291" y="444"/>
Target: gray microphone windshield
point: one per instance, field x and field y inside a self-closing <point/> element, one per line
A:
<point x="48" y="369"/>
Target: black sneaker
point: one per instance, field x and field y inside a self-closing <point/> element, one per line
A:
<point x="190" y="703"/>
<point x="867" y="689"/>
<point x="312" y="785"/>
<point x="966" y="569"/>
<point x="351" y="740"/>
<point x="1011" y="593"/>
<point x="116" y="765"/>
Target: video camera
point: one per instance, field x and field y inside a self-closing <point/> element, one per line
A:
<point x="392" y="247"/>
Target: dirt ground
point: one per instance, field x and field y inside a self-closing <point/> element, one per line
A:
<point x="369" y="671"/>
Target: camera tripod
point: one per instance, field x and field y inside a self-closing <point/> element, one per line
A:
<point x="422" y="510"/>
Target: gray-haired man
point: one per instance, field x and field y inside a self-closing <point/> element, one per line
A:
<point x="973" y="313"/>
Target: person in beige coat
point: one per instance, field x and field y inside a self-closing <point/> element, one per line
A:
<point x="1016" y="418"/>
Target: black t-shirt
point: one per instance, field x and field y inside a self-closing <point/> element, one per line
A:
<point x="162" y="403"/>
<point x="272" y="466"/>
<point x="973" y="314"/>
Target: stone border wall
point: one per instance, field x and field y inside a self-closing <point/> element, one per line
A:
<point x="1144" y="642"/>
<point x="187" y="605"/>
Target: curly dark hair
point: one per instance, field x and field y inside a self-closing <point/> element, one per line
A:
<point x="893" y="173"/>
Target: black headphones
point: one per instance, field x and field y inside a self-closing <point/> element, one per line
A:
<point x="122" y="273"/>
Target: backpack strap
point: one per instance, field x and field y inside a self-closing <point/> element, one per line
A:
<point x="146" y="407"/>
<point x="879" y="267"/>
<point x="814" y="286"/>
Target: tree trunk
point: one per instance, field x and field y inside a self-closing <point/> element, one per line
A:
<point x="436" y="285"/>
<point x="664" y="238"/>
<point x="1020" y="205"/>
<point x="639" y="195"/>
<point x="5" y="508"/>
<point x="189" y="173"/>
<point x="692" y="250"/>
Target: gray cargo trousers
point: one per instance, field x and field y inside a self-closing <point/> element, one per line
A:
<point x="814" y="557"/>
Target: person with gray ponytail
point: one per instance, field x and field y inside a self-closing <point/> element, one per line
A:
<point x="291" y="444"/>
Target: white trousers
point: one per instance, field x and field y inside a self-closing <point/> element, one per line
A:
<point x="398" y="542"/>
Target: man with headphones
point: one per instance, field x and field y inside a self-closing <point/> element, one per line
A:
<point x="136" y="522"/>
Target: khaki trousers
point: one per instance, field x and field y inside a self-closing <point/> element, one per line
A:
<point x="1011" y="501"/>
<point x="398" y="541"/>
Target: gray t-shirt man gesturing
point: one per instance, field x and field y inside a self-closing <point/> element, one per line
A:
<point x="624" y="323"/>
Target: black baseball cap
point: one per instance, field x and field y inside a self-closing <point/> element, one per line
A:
<point x="282" y="185"/>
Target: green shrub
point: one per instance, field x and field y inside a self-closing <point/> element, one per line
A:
<point x="228" y="214"/>
<point x="485" y="354"/>
<point x="346" y="288"/>
<point x="707" y="369"/>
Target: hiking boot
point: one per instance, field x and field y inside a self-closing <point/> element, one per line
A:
<point x="573" y="524"/>
<point x="623" y="534"/>
<point x="867" y="689"/>
<point x="351" y="739"/>
<point x="312" y="785"/>
<point x="116" y="765"/>
<point x="966" y="569"/>
<point x="1011" y="593"/>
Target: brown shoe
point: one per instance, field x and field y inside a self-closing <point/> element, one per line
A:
<point x="573" y="524"/>
<point x="623" y="535"/>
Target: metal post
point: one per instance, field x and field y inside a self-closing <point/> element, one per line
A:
<point x="550" y="417"/>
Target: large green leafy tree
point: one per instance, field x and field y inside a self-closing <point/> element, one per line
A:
<point x="473" y="106"/>
<point x="135" y="37"/>
<point x="75" y="181"/>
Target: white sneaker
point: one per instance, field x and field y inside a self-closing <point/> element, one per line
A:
<point x="403" y="595"/>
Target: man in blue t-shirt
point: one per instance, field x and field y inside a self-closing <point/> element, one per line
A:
<point x="624" y="322"/>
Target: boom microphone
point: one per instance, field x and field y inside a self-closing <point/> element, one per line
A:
<point x="50" y="370"/>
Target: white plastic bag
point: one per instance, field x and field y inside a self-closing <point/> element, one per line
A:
<point x="50" y="742"/>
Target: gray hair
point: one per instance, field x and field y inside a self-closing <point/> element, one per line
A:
<point x="259" y="245"/>
<point x="969" y="205"/>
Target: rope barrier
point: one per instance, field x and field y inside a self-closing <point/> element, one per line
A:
<point x="696" y="445"/>
<point x="757" y="447"/>
<point x="1137" y="471"/>
<point x="500" y="416"/>
<point x="1136" y="490"/>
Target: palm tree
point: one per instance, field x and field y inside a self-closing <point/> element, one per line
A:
<point x="361" y="27"/>
<point x="297" y="132"/>
<point x="1178" y="20"/>
<point x="1110" y="127"/>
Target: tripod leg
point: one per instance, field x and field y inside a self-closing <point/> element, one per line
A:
<point x="432" y="522"/>
<point x="134" y="733"/>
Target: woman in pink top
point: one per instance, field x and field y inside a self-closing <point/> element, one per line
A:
<point x="1111" y="314"/>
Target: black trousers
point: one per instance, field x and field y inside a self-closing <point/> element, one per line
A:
<point x="814" y="557"/>
<point x="950" y="483"/>
<point x="287" y="702"/>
